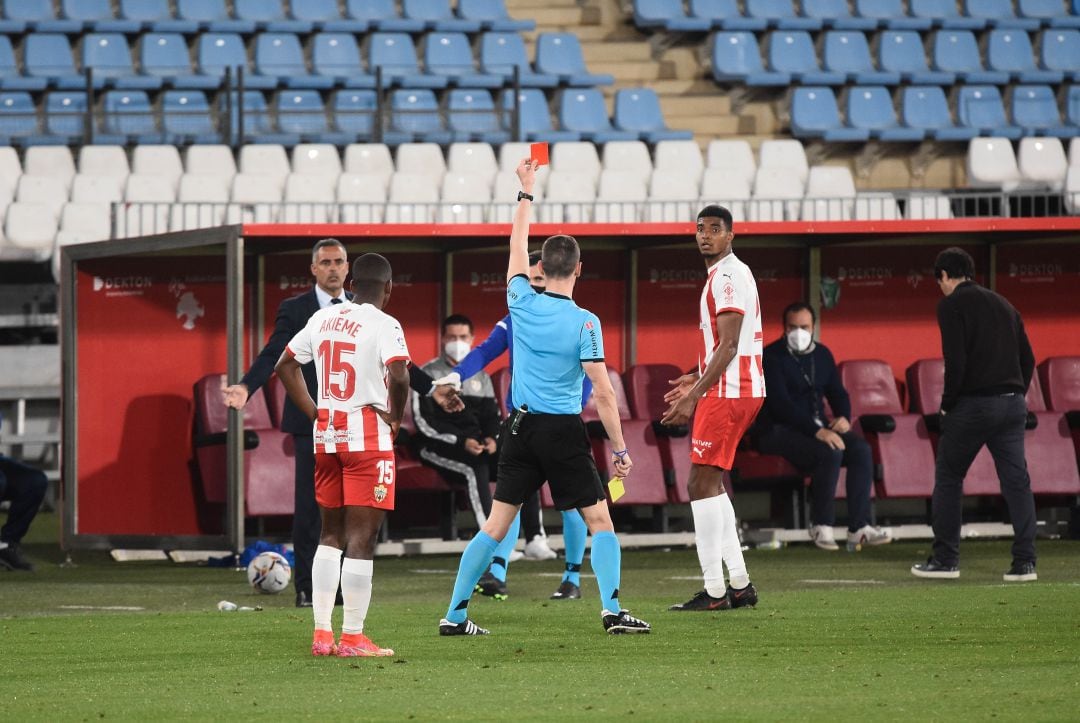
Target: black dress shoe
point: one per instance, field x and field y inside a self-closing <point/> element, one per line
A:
<point x="303" y="599"/>
<point x="1021" y="572"/>
<point x="933" y="569"/>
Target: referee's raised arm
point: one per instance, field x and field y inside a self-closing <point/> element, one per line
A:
<point x="519" y="236"/>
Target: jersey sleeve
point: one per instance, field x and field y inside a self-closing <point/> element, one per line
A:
<point x="518" y="291"/>
<point x="300" y="346"/>
<point x="591" y="344"/>
<point x="392" y="346"/>
<point x="731" y="291"/>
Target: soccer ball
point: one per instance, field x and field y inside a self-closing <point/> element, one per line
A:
<point x="269" y="573"/>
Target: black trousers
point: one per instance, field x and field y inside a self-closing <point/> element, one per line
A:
<point x="997" y="422"/>
<point x="458" y="467"/>
<point x="25" y="487"/>
<point x="812" y="456"/>
<point x="307" y="521"/>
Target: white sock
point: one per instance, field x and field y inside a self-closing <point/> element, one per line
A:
<point x="708" y="529"/>
<point x="325" y="573"/>
<point x="355" y="593"/>
<point x="731" y="546"/>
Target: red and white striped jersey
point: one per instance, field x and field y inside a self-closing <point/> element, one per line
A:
<point x="731" y="287"/>
<point x="352" y="344"/>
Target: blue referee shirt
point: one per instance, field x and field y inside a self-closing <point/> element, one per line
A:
<point x="552" y="337"/>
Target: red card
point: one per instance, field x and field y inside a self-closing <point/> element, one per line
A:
<point x="539" y="153"/>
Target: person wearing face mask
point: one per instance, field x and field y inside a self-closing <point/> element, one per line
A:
<point x="801" y="375"/>
<point x="461" y="445"/>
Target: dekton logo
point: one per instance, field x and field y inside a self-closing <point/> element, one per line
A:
<point x="122" y="285"/>
<point x="294" y="282"/>
<point x="1048" y="269"/>
<point x="865" y="273"/>
<point x="492" y="279"/>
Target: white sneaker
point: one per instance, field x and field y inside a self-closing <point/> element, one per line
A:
<point x="822" y="535"/>
<point x="868" y="535"/>
<point x="537" y="549"/>
<point x="516" y="555"/>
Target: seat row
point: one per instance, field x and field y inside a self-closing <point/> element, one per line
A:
<point x="1041" y="163"/>
<point x="845" y="57"/>
<point x="247" y="16"/>
<point x="869" y="113"/>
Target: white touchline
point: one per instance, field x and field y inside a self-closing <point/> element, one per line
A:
<point x="124" y="608"/>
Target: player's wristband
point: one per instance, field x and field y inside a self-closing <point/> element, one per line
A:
<point x="621" y="454"/>
<point x="522" y="196"/>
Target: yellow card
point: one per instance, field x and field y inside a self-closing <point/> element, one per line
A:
<point x="616" y="488"/>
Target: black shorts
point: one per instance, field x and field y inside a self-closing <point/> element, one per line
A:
<point x="548" y="447"/>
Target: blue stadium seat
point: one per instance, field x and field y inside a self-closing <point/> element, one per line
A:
<point x="492" y="15"/>
<point x="18" y="117"/>
<point x="414" y="113"/>
<point x="218" y="51"/>
<point x="48" y="55"/>
<point x="326" y="16"/>
<point x="337" y="56"/>
<point x="10" y="77"/>
<point x="1061" y="52"/>
<point x="500" y="53"/>
<point x="583" y="111"/>
<point x="792" y="52"/>
<point x="1035" y="109"/>
<point x="980" y="107"/>
<point x="471" y="116"/>
<point x="155" y="15"/>
<point x="110" y="57"/>
<point x="396" y="55"/>
<point x="890" y="14"/>
<point x="724" y="15"/>
<point x="127" y="114"/>
<point x="957" y="51"/>
<point x="902" y="51"/>
<point x="535" y="117"/>
<point x="1072" y="106"/>
<point x="1010" y="51"/>
<point x="870" y="108"/>
<point x="279" y="55"/>
<point x="36" y="15"/>
<point x="212" y="15"/>
<point x="165" y="56"/>
<point x="560" y="54"/>
<point x="186" y="118"/>
<point x="65" y="115"/>
<point x="258" y="125"/>
<point x="638" y="110"/>
<point x="836" y="14"/>
<point x="437" y="15"/>
<point x="667" y="15"/>
<point x="381" y="15"/>
<point x="450" y="55"/>
<point x="737" y="58"/>
<point x="926" y="108"/>
<point x="780" y="14"/>
<point x="943" y="14"/>
<point x="354" y="113"/>
<point x="1051" y="13"/>
<point x="998" y="14"/>
<point x="302" y="113"/>
<point x="269" y="15"/>
<point x="96" y="15"/>
<point x="849" y="53"/>
<point x="814" y="115"/>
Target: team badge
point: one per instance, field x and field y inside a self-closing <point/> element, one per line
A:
<point x="380" y="492"/>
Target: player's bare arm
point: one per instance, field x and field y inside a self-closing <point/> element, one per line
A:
<point x="607" y="408"/>
<point x="398" y="379"/>
<point x="728" y="324"/>
<point x="290" y="374"/>
<point x="519" y="236"/>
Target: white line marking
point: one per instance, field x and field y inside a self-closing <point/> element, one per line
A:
<point x="843" y="582"/>
<point x="434" y="572"/>
<point x="124" y="608"/>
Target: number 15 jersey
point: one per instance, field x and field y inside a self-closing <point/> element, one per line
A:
<point x="351" y="345"/>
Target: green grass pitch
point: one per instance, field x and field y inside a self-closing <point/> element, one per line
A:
<point x="872" y="643"/>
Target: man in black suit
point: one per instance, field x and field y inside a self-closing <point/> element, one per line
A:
<point x="330" y="267"/>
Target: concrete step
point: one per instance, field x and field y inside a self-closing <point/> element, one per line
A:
<point x="686" y="86"/>
<point x="724" y="125"/>
<point x="631" y="71"/>
<point x="616" y="51"/>
<point x="684" y="105"/>
<point x="523" y="7"/>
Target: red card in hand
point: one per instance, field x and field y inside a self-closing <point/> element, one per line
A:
<point x="538" y="152"/>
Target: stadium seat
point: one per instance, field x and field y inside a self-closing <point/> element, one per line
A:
<point x="186" y="118"/>
<point x="492" y="15"/>
<point x="265" y="161"/>
<point x="780" y="14"/>
<point x="1048" y="12"/>
<point x="619" y="197"/>
<point x="814" y="114"/>
<point x="792" y="52"/>
<point x="902" y="52"/>
<point x="97" y="189"/>
<point x="904" y="456"/>
<point x="991" y="163"/>
<point x="309" y="199"/>
<point x="370" y="159"/>
<point x="682" y="156"/>
<point x="361" y="197"/>
<point x="534" y="120"/>
<point x="103" y="161"/>
<point x="582" y="110"/>
<point x="381" y="15"/>
<point x="212" y="15"/>
<point x="413" y="198"/>
<point x="1010" y="51"/>
<point x="316" y="159"/>
<point x="10" y="170"/>
<point x="830" y="194"/>
<point x="82" y="222"/>
<point x="876" y="206"/>
<point x="302" y="113"/>
<point x="732" y="191"/>
<point x="667" y="15"/>
<point x="337" y="56"/>
<point x="500" y="53"/>
<point x="155" y="160"/>
<point x="943" y="14"/>
<point x="30" y="226"/>
<point x="326" y="17"/>
<point x="890" y="14"/>
<point x="1052" y="464"/>
<point x="732" y="156"/>
<point x="736" y="57"/>
<point x="437" y="15"/>
<point x="979" y="107"/>
<point x="18" y="117"/>
<point x="926" y="108"/>
<point x="149" y="189"/>
<point x="154" y="15"/>
<point x="421" y="159"/>
<point x="848" y="53"/>
<point x="673" y="196"/>
<point x="165" y="56"/>
<point x="465" y="198"/>
<point x="109" y="56"/>
<point x="395" y="54"/>
<point x="473" y="159"/>
<point x="96" y="15"/>
<point x="1072" y="106"/>
<point x="45" y="191"/>
<point x="127" y="114"/>
<point x="510" y="155"/>
<point x="471" y="115"/>
<point x="268" y="15"/>
<point x="1059" y="377"/>
<point x="630" y="158"/>
<point x="1060" y="51"/>
<point x="217" y="52"/>
<point x="36" y="15"/>
<point x="638" y="110"/>
<point x="785" y="154"/>
<point x="871" y="108"/>
<point x="724" y="15"/>
<point x="450" y="55"/>
<point x="1042" y="163"/>
<point x="354" y="112"/>
<point x="10" y="77"/>
<point x="279" y="56"/>
<point x="504" y="188"/>
<point x="148" y="204"/>
<point x="52" y="161"/>
<point x="65" y="115"/>
<point x="836" y="14"/>
<point x="415" y="116"/>
<point x="578" y="158"/>
<point x="569" y="198"/>
<point x="1035" y="110"/>
<point x="258" y="123"/>
<point x="998" y="14"/>
<point x="777" y="194"/>
<point x="559" y="54"/>
<point x="255" y="198"/>
<point x="921" y="206"/>
<point x="956" y="51"/>
<point x="48" y="56"/>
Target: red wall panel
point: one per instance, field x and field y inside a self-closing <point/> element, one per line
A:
<point x="1043" y="282"/>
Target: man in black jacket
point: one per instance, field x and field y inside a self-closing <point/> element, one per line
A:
<point x="800" y="374"/>
<point x="988" y="368"/>
<point x="330" y="267"/>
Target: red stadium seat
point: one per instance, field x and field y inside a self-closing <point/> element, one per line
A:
<point x="1051" y="456"/>
<point x="904" y="456"/>
<point x="414" y="479"/>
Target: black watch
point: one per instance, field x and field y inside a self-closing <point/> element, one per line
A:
<point x="523" y="195"/>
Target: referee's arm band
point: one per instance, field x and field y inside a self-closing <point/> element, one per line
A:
<point x="592" y="360"/>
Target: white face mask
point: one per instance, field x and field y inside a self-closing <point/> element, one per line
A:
<point x="457" y="349"/>
<point x="799" y="340"/>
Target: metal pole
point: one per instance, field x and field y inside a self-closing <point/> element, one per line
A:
<point x="240" y="105"/>
<point x="234" y="328"/>
<point x="377" y="125"/>
<point x="227" y="122"/>
<point x="516" y="118"/>
<point x="88" y="117"/>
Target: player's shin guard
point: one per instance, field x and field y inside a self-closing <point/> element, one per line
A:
<point x="474" y="560"/>
<point x="574" y="532"/>
<point x="708" y="534"/>
<point x="325" y="575"/>
<point x="501" y="561"/>
<point x="607" y="565"/>
<point x="355" y="594"/>
<point x="732" y="548"/>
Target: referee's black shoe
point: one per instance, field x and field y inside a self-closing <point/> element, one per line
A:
<point x="567" y="591"/>
<point x="492" y="586"/>
<point x="623" y="622"/>
<point x="466" y="628"/>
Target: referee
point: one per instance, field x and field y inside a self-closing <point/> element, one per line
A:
<point x="988" y="367"/>
<point x="556" y="343"/>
